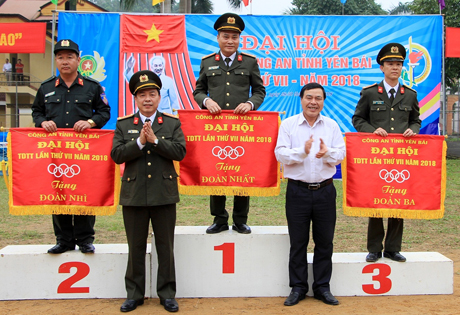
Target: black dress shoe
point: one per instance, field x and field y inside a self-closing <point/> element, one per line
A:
<point x="294" y="298"/>
<point x="327" y="298"/>
<point x="216" y="228"/>
<point x="59" y="249"/>
<point x="373" y="257"/>
<point x="170" y="305"/>
<point x="396" y="256"/>
<point x="130" y="305"/>
<point x="241" y="228"/>
<point x="87" y="248"/>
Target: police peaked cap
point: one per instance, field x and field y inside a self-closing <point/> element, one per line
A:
<point x="391" y="52"/>
<point x="66" y="44"/>
<point x="144" y="79"/>
<point x="229" y="22"/>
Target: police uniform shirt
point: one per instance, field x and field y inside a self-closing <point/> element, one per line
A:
<point x="84" y="99"/>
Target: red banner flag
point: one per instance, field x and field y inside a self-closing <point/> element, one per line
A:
<point x="452" y="42"/>
<point x="230" y="154"/>
<point x="394" y="176"/>
<point x="152" y="33"/>
<point x="22" y="38"/>
<point x="65" y="172"/>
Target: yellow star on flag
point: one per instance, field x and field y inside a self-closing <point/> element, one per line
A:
<point x="153" y="33"/>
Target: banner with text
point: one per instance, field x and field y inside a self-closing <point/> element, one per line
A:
<point x="229" y="154"/>
<point x="64" y="172"/>
<point x="22" y="38"/>
<point x="338" y="52"/>
<point x="394" y="176"/>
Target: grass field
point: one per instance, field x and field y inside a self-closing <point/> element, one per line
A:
<point x="350" y="235"/>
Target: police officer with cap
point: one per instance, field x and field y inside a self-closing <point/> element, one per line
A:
<point x="70" y="101"/>
<point x="387" y="107"/>
<point x="148" y="142"/>
<point x="229" y="80"/>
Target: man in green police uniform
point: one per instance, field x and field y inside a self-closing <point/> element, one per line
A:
<point x="70" y="101"/>
<point x="229" y="80"/>
<point x="148" y="142"/>
<point x="387" y="107"/>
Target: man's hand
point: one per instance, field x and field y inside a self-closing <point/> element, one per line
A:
<point x="322" y="149"/>
<point x="409" y="133"/>
<point x="81" y="126"/>
<point x="149" y="134"/>
<point x="381" y="132"/>
<point x="308" y="144"/>
<point x="49" y="126"/>
<point x="213" y="107"/>
<point x="243" y="108"/>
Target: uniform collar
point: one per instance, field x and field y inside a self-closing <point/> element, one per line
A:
<point x="143" y="118"/>
<point x="389" y="87"/>
<point x="78" y="80"/>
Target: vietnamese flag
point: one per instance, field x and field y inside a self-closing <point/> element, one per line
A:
<point x="152" y="33"/>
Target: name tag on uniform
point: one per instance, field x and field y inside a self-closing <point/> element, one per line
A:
<point x="213" y="68"/>
<point x="378" y="102"/>
<point x="50" y="93"/>
<point x="133" y="131"/>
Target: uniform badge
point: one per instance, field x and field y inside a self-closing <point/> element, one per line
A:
<point x="240" y="57"/>
<point x="217" y="57"/>
<point x="380" y="89"/>
<point x="50" y="93"/>
<point x="57" y="82"/>
<point x="136" y="120"/>
<point x="231" y="20"/>
<point x="213" y="68"/>
<point x="402" y="89"/>
<point x="133" y="131"/>
<point x="378" y="102"/>
<point x="143" y="78"/>
<point x="104" y="99"/>
<point x="65" y="43"/>
<point x="160" y="120"/>
<point x="80" y="81"/>
<point x="394" y="49"/>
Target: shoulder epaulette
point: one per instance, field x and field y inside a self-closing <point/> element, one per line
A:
<point x="246" y="54"/>
<point x="405" y="86"/>
<point x="369" y="86"/>
<point x="207" y="56"/>
<point x="90" y="79"/>
<point x="170" y="115"/>
<point x="49" y="79"/>
<point x="124" y="117"/>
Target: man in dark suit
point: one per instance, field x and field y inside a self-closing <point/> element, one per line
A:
<point x="148" y="142"/>
<point x="70" y="101"/>
<point x="387" y="107"/>
<point x="229" y="80"/>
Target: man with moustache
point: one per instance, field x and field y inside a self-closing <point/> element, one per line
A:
<point x="229" y="80"/>
<point x="387" y="107"/>
<point x="148" y="142"/>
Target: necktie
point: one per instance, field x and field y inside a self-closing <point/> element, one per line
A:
<point x="227" y="61"/>
<point x="147" y="120"/>
<point x="392" y="97"/>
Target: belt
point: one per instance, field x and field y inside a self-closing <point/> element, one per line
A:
<point x="312" y="186"/>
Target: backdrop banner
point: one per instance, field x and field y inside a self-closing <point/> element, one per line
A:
<point x="229" y="154"/>
<point x="394" y="176"/>
<point x="22" y="38"/>
<point x="64" y="172"/>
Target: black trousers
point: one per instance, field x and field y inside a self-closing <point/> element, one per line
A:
<point x="136" y="220"/>
<point x="376" y="233"/>
<point x="318" y="207"/>
<point x="240" y="209"/>
<point x="73" y="229"/>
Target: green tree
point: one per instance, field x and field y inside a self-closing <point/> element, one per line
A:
<point x="334" y="7"/>
<point x="451" y="19"/>
<point x="401" y="9"/>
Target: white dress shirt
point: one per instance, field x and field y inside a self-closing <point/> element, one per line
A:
<point x="290" y="148"/>
<point x="143" y="118"/>
<point x="389" y="87"/>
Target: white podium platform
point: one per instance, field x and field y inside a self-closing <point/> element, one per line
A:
<point x="227" y="264"/>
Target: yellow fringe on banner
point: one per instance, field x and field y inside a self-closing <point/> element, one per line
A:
<point x="397" y="213"/>
<point x="231" y="190"/>
<point x="61" y="209"/>
<point x="4" y="170"/>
